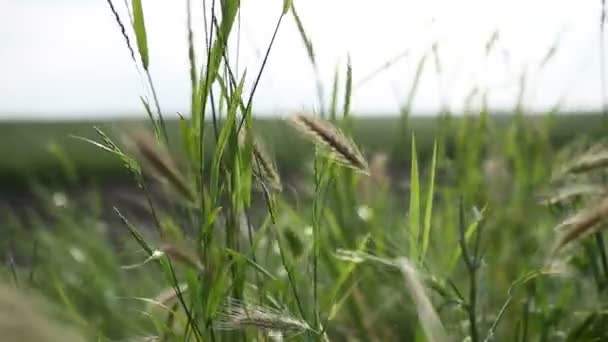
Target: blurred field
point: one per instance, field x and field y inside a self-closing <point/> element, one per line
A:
<point x="46" y="152"/>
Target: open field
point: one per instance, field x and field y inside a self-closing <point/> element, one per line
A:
<point x="46" y="150"/>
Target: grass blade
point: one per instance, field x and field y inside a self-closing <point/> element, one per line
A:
<point x="139" y="26"/>
<point x="426" y="234"/>
<point x="427" y="315"/>
<point x="414" y="212"/>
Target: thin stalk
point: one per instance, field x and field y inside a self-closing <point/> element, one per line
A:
<point x="315" y="242"/>
<point x="123" y="30"/>
<point x="180" y="296"/>
<point x="501" y="313"/>
<point x="163" y="127"/>
<point x="526" y="317"/>
<point x="34" y="265"/>
<point x="208" y="40"/>
<point x="473" y="304"/>
<point x="603" y="63"/>
<point x="11" y="265"/>
<point x="292" y="282"/>
<point x="593" y="263"/>
<point x="599" y="240"/>
<point x="252" y="251"/>
<point x="259" y="75"/>
<point x="471" y="266"/>
<point x="201" y="114"/>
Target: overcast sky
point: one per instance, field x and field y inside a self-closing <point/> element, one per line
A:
<point x="67" y="57"/>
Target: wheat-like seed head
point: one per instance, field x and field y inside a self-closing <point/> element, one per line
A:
<point x="159" y="161"/>
<point x="167" y="297"/>
<point x="237" y="315"/>
<point x="264" y="168"/>
<point x="581" y="224"/>
<point x="181" y="254"/>
<point x="589" y="162"/>
<point x="570" y="193"/>
<point x="324" y="134"/>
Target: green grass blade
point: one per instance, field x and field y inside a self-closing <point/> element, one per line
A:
<point x="333" y="107"/>
<point x="414" y="212"/>
<point x="348" y="90"/>
<point x="139" y="26"/>
<point x="195" y="99"/>
<point x="223" y="138"/>
<point x="343" y="277"/>
<point x="146" y="105"/>
<point x="252" y="263"/>
<point x="135" y="233"/>
<point x="429" y="206"/>
<point x="286" y="6"/>
<point x="470" y="231"/>
<point x="405" y="110"/>
<point x="307" y="42"/>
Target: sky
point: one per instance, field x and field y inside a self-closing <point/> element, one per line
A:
<point x="67" y="58"/>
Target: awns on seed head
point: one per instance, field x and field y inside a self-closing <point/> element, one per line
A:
<point x="157" y="160"/>
<point x="324" y="134"/>
<point x="583" y="223"/>
<point x="263" y="166"/>
<point x="237" y="315"/>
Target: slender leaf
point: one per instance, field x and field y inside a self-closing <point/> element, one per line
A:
<point x="414" y="212"/>
<point x="139" y="26"/>
<point x="429" y="206"/>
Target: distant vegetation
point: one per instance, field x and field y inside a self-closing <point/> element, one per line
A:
<point x="47" y="151"/>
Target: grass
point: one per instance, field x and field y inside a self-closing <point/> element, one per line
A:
<point x="228" y="249"/>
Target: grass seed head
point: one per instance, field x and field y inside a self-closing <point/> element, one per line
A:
<point x="324" y="134"/>
<point x="589" y="162"/>
<point x="181" y="254"/>
<point x="167" y="297"/>
<point x="581" y="224"/>
<point x="238" y="315"/>
<point x="264" y="168"/>
<point x="158" y="161"/>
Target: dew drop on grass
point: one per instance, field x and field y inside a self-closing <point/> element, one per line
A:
<point x="59" y="199"/>
<point x="365" y="213"/>
<point x="78" y="254"/>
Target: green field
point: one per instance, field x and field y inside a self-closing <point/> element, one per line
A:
<point x="46" y="151"/>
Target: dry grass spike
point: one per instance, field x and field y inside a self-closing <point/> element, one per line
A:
<point x="182" y="255"/>
<point x="159" y="161"/>
<point x="166" y="298"/>
<point x="325" y="134"/>
<point x="237" y="315"/>
<point x="589" y="162"/>
<point x="583" y="223"/>
<point x="264" y="168"/>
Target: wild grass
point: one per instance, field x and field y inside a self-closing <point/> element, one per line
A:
<point x="233" y="247"/>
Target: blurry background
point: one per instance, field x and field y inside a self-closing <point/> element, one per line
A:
<point x="66" y="58"/>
